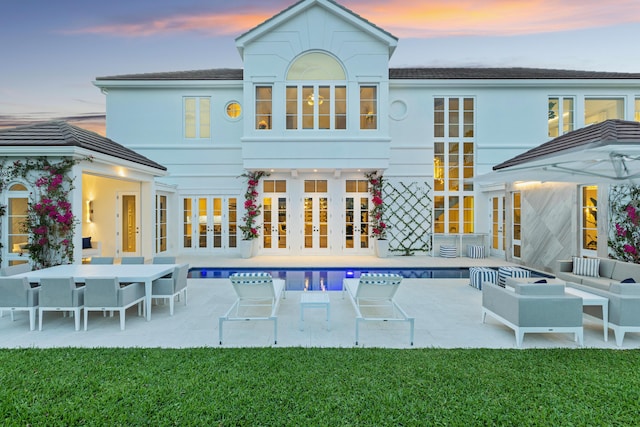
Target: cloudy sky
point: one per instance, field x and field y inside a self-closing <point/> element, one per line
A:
<point x="52" y="50"/>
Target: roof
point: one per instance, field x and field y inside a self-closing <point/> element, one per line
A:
<point x="61" y="134"/>
<point x="424" y="73"/>
<point x="609" y="132"/>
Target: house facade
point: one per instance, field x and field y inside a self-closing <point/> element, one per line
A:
<point x="317" y="107"/>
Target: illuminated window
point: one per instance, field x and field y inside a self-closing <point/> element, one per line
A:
<point x="597" y="110"/>
<point x="589" y="218"/>
<point x="516" y="234"/>
<point x="233" y="110"/>
<point x="263" y="107"/>
<point x="161" y="223"/>
<point x="560" y="116"/>
<point x="197" y="117"/>
<point x="368" y="107"/>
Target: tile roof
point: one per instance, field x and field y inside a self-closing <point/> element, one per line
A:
<point x="61" y="134"/>
<point x="600" y="134"/>
<point x="423" y="73"/>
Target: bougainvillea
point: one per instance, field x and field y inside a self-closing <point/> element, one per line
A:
<point x="251" y="230"/>
<point x="50" y="221"/>
<point x="378" y="226"/>
<point x="624" y="239"/>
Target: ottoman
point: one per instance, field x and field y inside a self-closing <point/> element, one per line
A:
<point x="477" y="275"/>
<point x="448" y="251"/>
<point x="504" y="272"/>
<point x="475" y="251"/>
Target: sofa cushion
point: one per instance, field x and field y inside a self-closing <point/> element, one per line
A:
<point x="597" y="282"/>
<point x="606" y="267"/>
<point x="624" y="270"/>
<point x="586" y="266"/>
<point x="86" y="242"/>
<point x="539" y="289"/>
<point x="624" y="288"/>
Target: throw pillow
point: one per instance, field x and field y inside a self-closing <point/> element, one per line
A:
<point x="586" y="266"/>
<point x="629" y="280"/>
<point x="86" y="243"/>
<point x="541" y="281"/>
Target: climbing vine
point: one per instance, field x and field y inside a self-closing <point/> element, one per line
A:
<point x="49" y="221"/>
<point x="250" y="230"/>
<point x="624" y="225"/>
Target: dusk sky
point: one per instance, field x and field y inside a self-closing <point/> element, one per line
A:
<point x="52" y="50"/>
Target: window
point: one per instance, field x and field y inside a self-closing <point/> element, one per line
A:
<point x="589" y="218"/>
<point x="161" y="223"/>
<point x="368" y="107"/>
<point x="517" y="221"/>
<point x="637" y="115"/>
<point x="197" y="117"/>
<point x="233" y="110"/>
<point x="560" y="116"/>
<point x="454" y="164"/>
<point x="17" y="238"/>
<point x="263" y="107"/>
<point x="597" y="110"/>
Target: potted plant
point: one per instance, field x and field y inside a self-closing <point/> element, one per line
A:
<point x="249" y="229"/>
<point x="378" y="226"/>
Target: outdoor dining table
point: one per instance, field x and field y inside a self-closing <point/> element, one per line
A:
<point x="126" y="273"/>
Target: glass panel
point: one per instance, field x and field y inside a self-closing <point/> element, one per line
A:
<point x="17" y="210"/>
<point x="202" y="223"/>
<point x="637" y="115"/>
<point x="233" y="223"/>
<point x="516" y="216"/>
<point x="438" y="214"/>
<point x="454" y="214"/>
<point x="186" y="223"/>
<point x="468" y="162"/>
<point x="321" y="186"/>
<point x="368" y="107"/>
<point x="263" y="107"/>
<point x="438" y="166"/>
<point x="267" y="222"/>
<point x="597" y="110"/>
<point x="316" y="66"/>
<point x="308" y="105"/>
<point x="161" y="223"/>
<point x="129" y="229"/>
<point x="323" y="216"/>
<point x="282" y="222"/>
<point x="233" y="110"/>
<point x="467" y="215"/>
<point x="190" y="117"/>
<point x="324" y="108"/>
<point x="268" y="186"/>
<point x="349" y="230"/>
<point x="468" y="131"/>
<point x="495" y="223"/>
<point x="205" y="118"/>
<point x="292" y="107"/>
<point x="438" y="117"/>
<point x="454" y="166"/>
<point x="309" y="186"/>
<point x="364" y="222"/>
<point x="454" y="118"/>
<point x="308" y="222"/>
<point x="340" y="107"/>
<point x="281" y="186"/>
<point x="567" y="115"/>
<point x="590" y="217"/>
<point x="217" y="222"/>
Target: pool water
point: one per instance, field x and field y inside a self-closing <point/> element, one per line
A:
<point x="330" y="279"/>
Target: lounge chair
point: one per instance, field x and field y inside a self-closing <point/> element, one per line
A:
<point x="258" y="298"/>
<point x="170" y="287"/>
<point x="16" y="294"/>
<point x="60" y="294"/>
<point x="373" y="298"/>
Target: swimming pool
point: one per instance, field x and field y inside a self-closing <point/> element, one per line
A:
<point x="330" y="278"/>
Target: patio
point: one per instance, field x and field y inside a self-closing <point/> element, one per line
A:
<point x="447" y="312"/>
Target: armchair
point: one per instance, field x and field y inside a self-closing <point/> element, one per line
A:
<point x="60" y="294"/>
<point x="105" y="294"/>
<point x="170" y="287"/>
<point x="16" y="294"/>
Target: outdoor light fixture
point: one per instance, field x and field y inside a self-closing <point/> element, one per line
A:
<point x="89" y="210"/>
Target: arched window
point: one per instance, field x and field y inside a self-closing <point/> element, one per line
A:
<point x="17" y="237"/>
<point x="316" y="93"/>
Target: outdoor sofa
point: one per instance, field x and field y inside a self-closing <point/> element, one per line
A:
<point x="624" y="298"/>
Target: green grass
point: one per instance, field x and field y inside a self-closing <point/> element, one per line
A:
<point x="324" y="387"/>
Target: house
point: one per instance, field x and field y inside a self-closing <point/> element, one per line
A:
<point x="317" y="109"/>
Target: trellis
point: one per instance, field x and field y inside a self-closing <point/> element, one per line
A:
<point x="409" y="215"/>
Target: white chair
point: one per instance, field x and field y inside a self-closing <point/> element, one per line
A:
<point x="164" y="260"/>
<point x="170" y="287"/>
<point x="101" y="260"/>
<point x="16" y="294"/>
<point x="60" y="294"/>
<point x="132" y="260"/>
<point x="373" y="298"/>
<point x="105" y="294"/>
<point x="258" y="298"/>
<point x="11" y="270"/>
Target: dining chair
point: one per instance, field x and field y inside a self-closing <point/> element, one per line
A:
<point x="105" y="294"/>
<point x="60" y="294"/>
<point x="132" y="260"/>
<point x="164" y="260"/>
<point x="16" y="294"/>
<point x="102" y="260"/>
<point x="170" y="287"/>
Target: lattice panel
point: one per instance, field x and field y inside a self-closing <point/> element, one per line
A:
<point x="409" y="213"/>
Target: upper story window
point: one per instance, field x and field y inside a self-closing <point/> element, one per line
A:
<point x="637" y="115"/>
<point x="368" y="107"/>
<point x="233" y="110"/>
<point x="264" y="107"/>
<point x="197" y="117"/>
<point x="321" y="104"/>
<point x="597" y="110"/>
<point x="560" y="115"/>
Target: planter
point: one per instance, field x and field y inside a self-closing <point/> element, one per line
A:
<point x="246" y="248"/>
<point x="382" y="248"/>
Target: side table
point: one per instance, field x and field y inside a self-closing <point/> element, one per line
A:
<point x="314" y="300"/>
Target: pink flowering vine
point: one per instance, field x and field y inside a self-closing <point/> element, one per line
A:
<point x="252" y="207"/>
<point x="378" y="226"/>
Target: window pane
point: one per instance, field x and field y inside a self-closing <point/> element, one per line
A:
<point x="637" y="115"/>
<point x="597" y="110"/>
<point x="316" y="66"/>
<point x="324" y="107"/>
<point x="368" y="107"/>
<point x="341" y="107"/>
<point x="292" y="107"/>
<point x="308" y="103"/>
<point x="567" y="115"/>
<point x="190" y="117"/>
<point x="263" y="107"/>
<point x="205" y="117"/>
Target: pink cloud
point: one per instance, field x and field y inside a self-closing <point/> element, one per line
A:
<point x="414" y="18"/>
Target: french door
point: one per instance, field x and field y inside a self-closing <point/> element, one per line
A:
<point x="497" y="219"/>
<point x="209" y="223"/>
<point x="274" y="223"/>
<point x="315" y="217"/>
<point x="356" y="223"/>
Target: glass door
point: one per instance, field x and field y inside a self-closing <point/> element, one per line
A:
<point x="497" y="220"/>
<point x="316" y="217"/>
<point x="209" y="223"/>
<point x="274" y="215"/>
<point x="129" y="225"/>
<point x="17" y="238"/>
<point x="356" y="217"/>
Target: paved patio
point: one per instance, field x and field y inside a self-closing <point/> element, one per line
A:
<point x="447" y="312"/>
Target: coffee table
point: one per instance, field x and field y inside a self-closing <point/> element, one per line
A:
<point x="314" y="300"/>
<point x="589" y="299"/>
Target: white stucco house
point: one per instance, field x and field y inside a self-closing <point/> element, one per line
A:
<point x="317" y="107"/>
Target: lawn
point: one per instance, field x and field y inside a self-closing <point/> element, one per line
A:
<point x="318" y="387"/>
